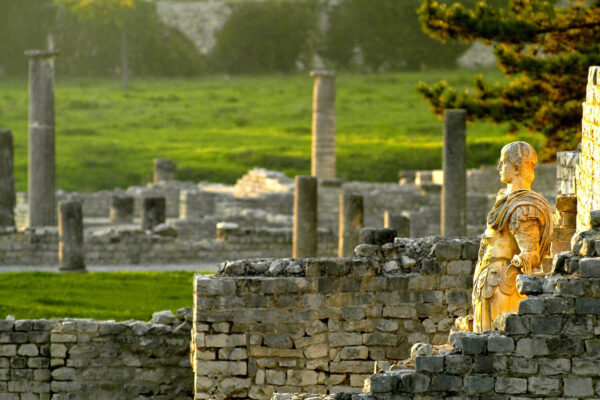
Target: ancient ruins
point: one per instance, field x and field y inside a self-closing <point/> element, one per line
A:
<point x="334" y="289"/>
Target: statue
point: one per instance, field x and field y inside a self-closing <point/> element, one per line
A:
<point x="517" y="238"/>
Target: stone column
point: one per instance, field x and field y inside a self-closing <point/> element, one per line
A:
<point x="351" y="222"/>
<point x="323" y="125"/>
<point x="454" y="189"/>
<point x="153" y="212"/>
<point x="304" y="242"/>
<point x="70" y="237"/>
<point x="400" y="223"/>
<point x="40" y="175"/>
<point x="164" y="170"/>
<point x="121" y="209"/>
<point x="7" y="181"/>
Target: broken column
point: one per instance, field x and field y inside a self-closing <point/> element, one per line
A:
<point x="153" y="212"/>
<point x="164" y="170"/>
<point x="351" y="222"/>
<point x="41" y="173"/>
<point x="7" y="181"/>
<point x="454" y="164"/>
<point x="121" y="209"/>
<point x="304" y="242"/>
<point x="70" y="237"/>
<point x="323" y="125"/>
<point x="400" y="223"/>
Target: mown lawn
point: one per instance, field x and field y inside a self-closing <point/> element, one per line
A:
<point x="100" y="295"/>
<point x="218" y="127"/>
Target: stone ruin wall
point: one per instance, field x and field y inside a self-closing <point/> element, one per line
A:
<point x="550" y="349"/>
<point x="137" y="247"/>
<point x="588" y="169"/>
<point x="85" y="359"/>
<point x="318" y="325"/>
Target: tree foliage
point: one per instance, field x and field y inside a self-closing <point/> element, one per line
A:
<point x="544" y="47"/>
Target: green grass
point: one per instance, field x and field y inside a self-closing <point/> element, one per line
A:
<point x="100" y="295"/>
<point x="216" y="128"/>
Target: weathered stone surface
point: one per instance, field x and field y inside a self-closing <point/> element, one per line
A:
<point x="529" y="284"/>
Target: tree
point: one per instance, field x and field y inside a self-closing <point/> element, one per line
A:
<point x="544" y="47"/>
<point x="116" y="11"/>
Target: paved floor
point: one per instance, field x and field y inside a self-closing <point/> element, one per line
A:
<point x="111" y="268"/>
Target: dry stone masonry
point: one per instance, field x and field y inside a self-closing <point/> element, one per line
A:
<point x="588" y="170"/>
<point x="318" y="325"/>
<point x="85" y="359"/>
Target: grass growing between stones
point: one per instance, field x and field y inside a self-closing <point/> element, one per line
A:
<point x="217" y="127"/>
<point x="100" y="295"/>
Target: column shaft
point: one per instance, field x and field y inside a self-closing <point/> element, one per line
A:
<point x="304" y="243"/>
<point x="454" y="189"/>
<point x="70" y="237"/>
<point x="41" y="161"/>
<point x="7" y="180"/>
<point x="351" y="222"/>
<point x="323" y="125"/>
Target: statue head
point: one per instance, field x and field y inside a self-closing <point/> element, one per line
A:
<point x="517" y="159"/>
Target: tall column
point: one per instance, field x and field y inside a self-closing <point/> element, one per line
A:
<point x="7" y="180"/>
<point x="454" y="189"/>
<point x="40" y="176"/>
<point x="164" y="170"/>
<point x="323" y="125"/>
<point x="70" y="237"/>
<point x="304" y="243"/>
<point x="351" y="222"/>
<point x="153" y="212"/>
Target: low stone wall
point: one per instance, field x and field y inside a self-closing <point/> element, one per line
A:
<point x="318" y="325"/>
<point x="85" y="359"/>
<point x="134" y="246"/>
<point x="548" y="350"/>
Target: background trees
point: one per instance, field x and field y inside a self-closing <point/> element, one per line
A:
<point x="544" y="47"/>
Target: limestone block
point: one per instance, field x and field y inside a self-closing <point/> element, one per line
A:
<point x="446" y="383"/>
<point x="433" y="363"/>
<point x="554" y="366"/>
<point x="221" y="368"/>
<point x="589" y="267"/>
<point x="478" y="384"/>
<point x="529" y="347"/>
<point x="529" y="284"/>
<point x="343" y="339"/>
<point x="414" y="382"/>
<point x="352" y="367"/>
<point x="354" y="353"/>
<point x="275" y="377"/>
<point x="28" y="350"/>
<point x="301" y="378"/>
<point x="543" y="386"/>
<point x="500" y="344"/>
<point x="521" y="365"/>
<point x="511" y="385"/>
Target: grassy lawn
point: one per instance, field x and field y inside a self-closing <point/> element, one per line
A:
<point x="216" y="128"/>
<point x="100" y="295"/>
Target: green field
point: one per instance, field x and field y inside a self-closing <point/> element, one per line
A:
<point x="218" y="127"/>
<point x="100" y="295"/>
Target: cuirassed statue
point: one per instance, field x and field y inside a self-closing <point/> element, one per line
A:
<point x="517" y="238"/>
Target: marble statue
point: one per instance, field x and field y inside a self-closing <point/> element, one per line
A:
<point x="517" y="238"/>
